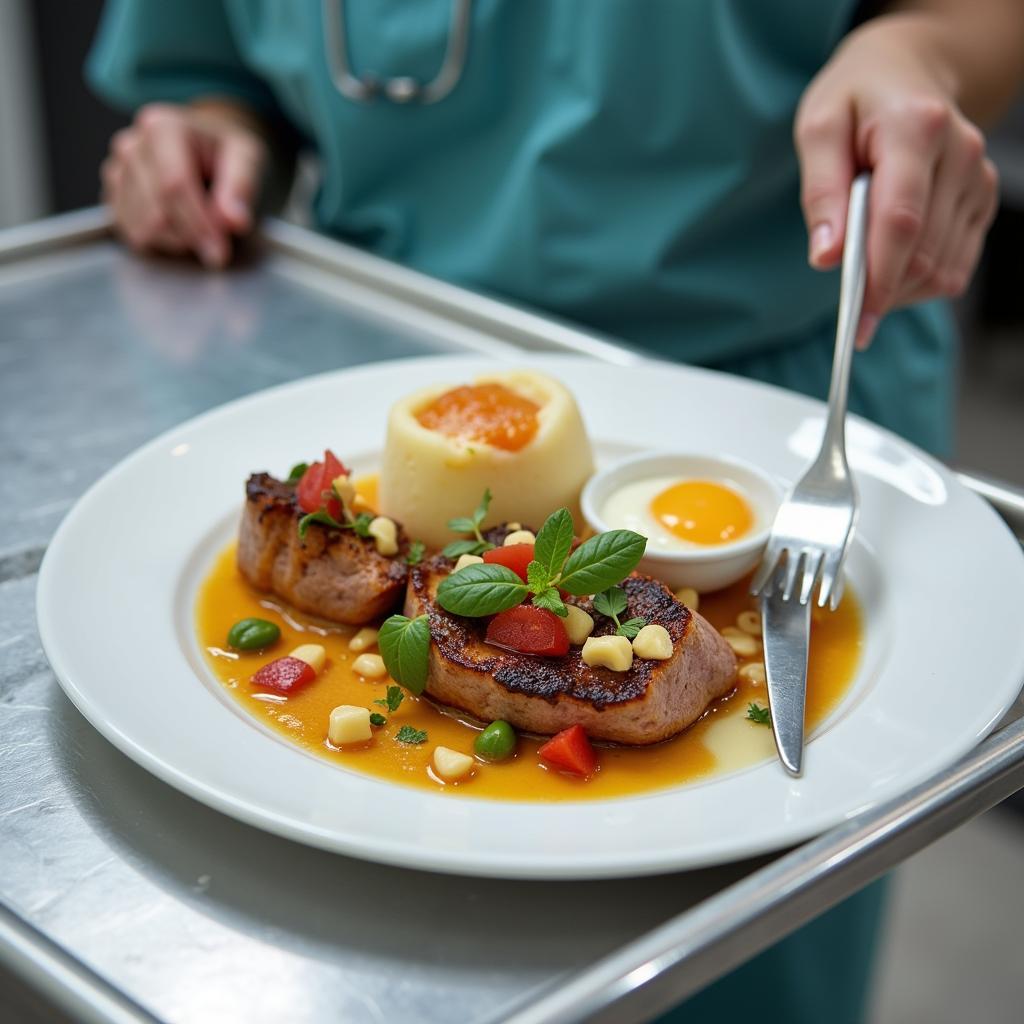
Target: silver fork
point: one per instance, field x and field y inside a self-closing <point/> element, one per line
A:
<point x="811" y="534"/>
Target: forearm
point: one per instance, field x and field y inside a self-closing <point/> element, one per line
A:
<point x="975" y="46"/>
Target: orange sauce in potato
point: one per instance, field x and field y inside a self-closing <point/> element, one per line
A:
<point x="487" y="413"/>
<point x="225" y="598"/>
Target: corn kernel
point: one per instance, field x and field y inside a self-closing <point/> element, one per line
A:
<point x="689" y="597"/>
<point x="754" y="672"/>
<point x="345" y="490"/>
<point x="578" y="624"/>
<point x="742" y="644"/>
<point x="385" y="533"/>
<point x="614" y="652"/>
<point x="370" y="665"/>
<point x="465" y="560"/>
<point x="513" y="526"/>
<point x="520" y="537"/>
<point x="451" y="765"/>
<point x="364" y="638"/>
<point x="749" y="622"/>
<point x="653" y="642"/>
<point x="349" y="724"/>
<point x="312" y="654"/>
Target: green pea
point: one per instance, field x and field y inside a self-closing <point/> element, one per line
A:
<point x="252" y="634"/>
<point x="496" y="742"/>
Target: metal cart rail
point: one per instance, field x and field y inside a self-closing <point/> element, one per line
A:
<point x="122" y="900"/>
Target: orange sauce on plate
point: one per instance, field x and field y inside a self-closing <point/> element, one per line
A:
<point x="487" y="413"/>
<point x="723" y="740"/>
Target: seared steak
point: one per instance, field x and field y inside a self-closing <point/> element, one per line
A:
<point x="651" y="702"/>
<point x="331" y="573"/>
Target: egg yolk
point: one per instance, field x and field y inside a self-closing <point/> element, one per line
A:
<point x="702" y="512"/>
<point x="488" y="413"/>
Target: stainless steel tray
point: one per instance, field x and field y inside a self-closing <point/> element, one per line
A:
<point x="121" y="899"/>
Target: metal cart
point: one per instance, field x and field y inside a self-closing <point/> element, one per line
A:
<point x="123" y="900"/>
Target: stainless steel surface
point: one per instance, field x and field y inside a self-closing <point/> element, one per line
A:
<point x="695" y="948"/>
<point x="192" y="915"/>
<point x="786" y="632"/>
<point x="813" y="527"/>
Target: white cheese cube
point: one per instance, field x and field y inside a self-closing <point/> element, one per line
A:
<point x="313" y="655"/>
<point x="450" y="765"/>
<point x="349" y="724"/>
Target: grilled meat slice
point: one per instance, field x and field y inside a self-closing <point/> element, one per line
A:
<point x="651" y="702"/>
<point x="331" y="573"/>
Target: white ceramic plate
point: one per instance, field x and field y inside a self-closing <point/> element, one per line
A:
<point x="938" y="574"/>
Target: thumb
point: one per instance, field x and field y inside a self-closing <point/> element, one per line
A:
<point x="237" y="168"/>
<point x="824" y="147"/>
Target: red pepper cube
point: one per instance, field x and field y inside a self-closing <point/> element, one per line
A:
<point x="285" y="675"/>
<point x="570" y="751"/>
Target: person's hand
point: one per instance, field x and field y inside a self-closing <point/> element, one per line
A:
<point x="185" y="179"/>
<point x="885" y="103"/>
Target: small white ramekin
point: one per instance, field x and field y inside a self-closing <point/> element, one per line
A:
<point x="704" y="569"/>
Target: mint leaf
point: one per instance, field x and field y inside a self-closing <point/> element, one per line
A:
<point x="361" y="524"/>
<point x="481" y="510"/>
<point x="554" y="542"/>
<point x="462" y="525"/>
<point x="465" y="547"/>
<point x="415" y="555"/>
<point x="298" y="471"/>
<point x="630" y="628"/>
<point x="550" y="599"/>
<point x="393" y="700"/>
<point x="377" y="719"/>
<point x="611" y="602"/>
<point x="481" y="589"/>
<point x="318" y="517"/>
<point x="758" y="714"/>
<point x="405" y="647"/>
<point x="602" y="561"/>
<point x="537" y="577"/>
<point x="407" y="734"/>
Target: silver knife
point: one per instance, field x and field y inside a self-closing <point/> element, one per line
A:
<point x="786" y="631"/>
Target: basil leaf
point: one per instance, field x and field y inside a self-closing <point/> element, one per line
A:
<point x="318" y="517"/>
<point x="415" y="555"/>
<point x="602" y="561"/>
<point x="461" y="525"/>
<point x="481" y="589"/>
<point x="554" y="542"/>
<point x="463" y="547"/>
<point x="550" y="599"/>
<point x="297" y="472"/>
<point x="405" y="647"/>
<point x="611" y="602"/>
<point x="481" y="510"/>
<point x="630" y="628"/>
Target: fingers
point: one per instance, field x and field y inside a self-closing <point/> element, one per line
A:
<point x="170" y="164"/>
<point x="823" y="133"/>
<point x="237" y="170"/>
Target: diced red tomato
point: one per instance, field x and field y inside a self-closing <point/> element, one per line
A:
<point x="286" y="675"/>
<point x="515" y="557"/>
<point x="570" y="751"/>
<point x="529" y="630"/>
<point x="317" y="479"/>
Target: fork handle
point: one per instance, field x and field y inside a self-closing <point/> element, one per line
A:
<point x="851" y="303"/>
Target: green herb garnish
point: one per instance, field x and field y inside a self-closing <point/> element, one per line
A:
<point x="405" y="647"/>
<point x="415" y="555"/>
<point x="361" y="524"/>
<point x="481" y="589"/>
<point x="324" y="518"/>
<point x="297" y="472"/>
<point x="470" y="524"/>
<point x="758" y="714"/>
<point x="377" y="719"/>
<point x="393" y="700"/>
<point x="612" y="603"/>
<point x="407" y="734"/>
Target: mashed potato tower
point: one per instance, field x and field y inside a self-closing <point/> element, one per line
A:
<point x="537" y="459"/>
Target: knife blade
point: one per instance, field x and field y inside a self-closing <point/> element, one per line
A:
<point x="786" y="629"/>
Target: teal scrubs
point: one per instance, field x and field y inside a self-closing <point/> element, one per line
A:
<point x="627" y="165"/>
